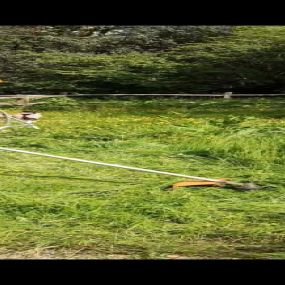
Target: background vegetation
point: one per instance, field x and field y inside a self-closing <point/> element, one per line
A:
<point x="142" y="59"/>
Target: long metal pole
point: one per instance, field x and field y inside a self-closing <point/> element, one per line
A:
<point x="117" y="166"/>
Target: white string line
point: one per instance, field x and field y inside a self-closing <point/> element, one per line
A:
<point x="117" y="165"/>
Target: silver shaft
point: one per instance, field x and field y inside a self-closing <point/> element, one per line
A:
<point x="114" y="165"/>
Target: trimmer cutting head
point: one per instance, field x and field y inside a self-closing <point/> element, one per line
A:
<point x="222" y="183"/>
<point x="244" y="186"/>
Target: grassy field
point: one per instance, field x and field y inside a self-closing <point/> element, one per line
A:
<point x="59" y="209"/>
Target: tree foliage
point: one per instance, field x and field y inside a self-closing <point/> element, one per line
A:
<point x="142" y="59"/>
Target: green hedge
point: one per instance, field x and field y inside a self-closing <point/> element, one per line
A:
<point x="251" y="59"/>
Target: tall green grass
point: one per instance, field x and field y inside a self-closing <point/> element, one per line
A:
<point x="51" y="208"/>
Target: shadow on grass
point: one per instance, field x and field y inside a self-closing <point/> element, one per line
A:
<point x="68" y="178"/>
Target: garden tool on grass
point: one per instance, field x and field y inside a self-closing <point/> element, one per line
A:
<point x="24" y="119"/>
<point x="214" y="183"/>
<point x="202" y="181"/>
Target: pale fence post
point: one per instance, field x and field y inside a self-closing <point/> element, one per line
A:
<point x="25" y="100"/>
<point x="228" y="95"/>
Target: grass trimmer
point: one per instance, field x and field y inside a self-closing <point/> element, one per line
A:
<point x="200" y="181"/>
<point x="24" y="119"/>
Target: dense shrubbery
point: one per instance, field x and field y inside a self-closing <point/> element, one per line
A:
<point x="108" y="59"/>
